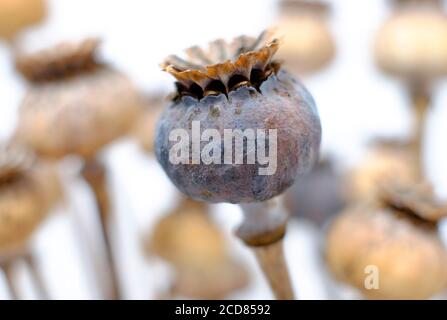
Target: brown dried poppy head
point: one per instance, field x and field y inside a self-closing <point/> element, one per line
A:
<point x="224" y="66"/>
<point x="14" y="160"/>
<point x="59" y="61"/>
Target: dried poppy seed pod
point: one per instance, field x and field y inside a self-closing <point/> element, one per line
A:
<point x="398" y="238"/>
<point x="211" y="283"/>
<point x="308" y="45"/>
<point x="387" y="160"/>
<point x="75" y="104"/>
<point x="22" y="208"/>
<point x="317" y="196"/>
<point x="412" y="44"/>
<point x="233" y="90"/>
<point x="187" y="239"/>
<point x="16" y="15"/>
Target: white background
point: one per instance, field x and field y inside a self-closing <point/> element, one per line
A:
<point x="355" y="101"/>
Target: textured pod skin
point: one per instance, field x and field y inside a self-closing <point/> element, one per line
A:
<point x="282" y="104"/>
<point x="78" y="114"/>
<point x="409" y="254"/>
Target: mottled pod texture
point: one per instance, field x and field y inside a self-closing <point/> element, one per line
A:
<point x="75" y="104"/>
<point x="281" y="103"/>
<point x="78" y="115"/>
<point x="407" y="251"/>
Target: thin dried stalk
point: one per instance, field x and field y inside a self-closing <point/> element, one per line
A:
<point x="95" y="175"/>
<point x="8" y="270"/>
<point x="420" y="99"/>
<point x="36" y="275"/>
<point x="273" y="263"/>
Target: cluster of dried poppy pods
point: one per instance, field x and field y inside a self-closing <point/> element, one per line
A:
<point x="393" y="221"/>
<point x="76" y="104"/>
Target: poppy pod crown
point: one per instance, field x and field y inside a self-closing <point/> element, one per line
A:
<point x="60" y="61"/>
<point x="224" y="67"/>
<point x="417" y="202"/>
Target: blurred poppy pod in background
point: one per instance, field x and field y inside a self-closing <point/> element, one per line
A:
<point x="412" y="43"/>
<point x="188" y="240"/>
<point x="386" y="160"/>
<point x="97" y="145"/>
<point x="23" y="204"/>
<point x="145" y="126"/>
<point x="75" y="104"/>
<point x="16" y="15"/>
<point x="398" y="236"/>
<point x="187" y="236"/>
<point x="317" y="196"/>
<point x="308" y="43"/>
